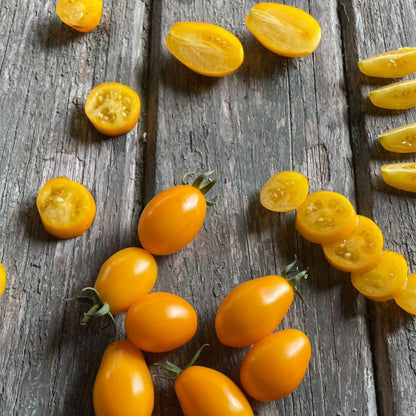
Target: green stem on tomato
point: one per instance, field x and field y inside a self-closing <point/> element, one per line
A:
<point x="203" y="183"/>
<point x="293" y="281"/>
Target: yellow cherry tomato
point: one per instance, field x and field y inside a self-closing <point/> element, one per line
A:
<point x="384" y="281"/>
<point x="2" y="279"/>
<point x="393" y="64"/>
<point x="123" y="386"/>
<point x="205" y="48"/>
<point x="397" y="96"/>
<point x="407" y="297"/>
<point x="284" y="30"/>
<point x="276" y="365"/>
<point x="359" y="251"/>
<point x="160" y="322"/>
<point x="125" y="277"/>
<point x="400" y="140"/>
<point x="81" y="15"/>
<point x="113" y="108"/>
<point x="284" y="191"/>
<point x="400" y="176"/>
<point x="325" y="217"/>
<point x="66" y="208"/>
<point x="202" y="391"/>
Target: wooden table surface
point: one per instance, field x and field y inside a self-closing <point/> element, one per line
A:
<point x="310" y="114"/>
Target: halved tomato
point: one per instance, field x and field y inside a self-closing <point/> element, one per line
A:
<point x="113" y="108"/>
<point x="400" y="140"/>
<point x="326" y="217"/>
<point x="392" y="64"/>
<point x="400" y="176"/>
<point x="284" y="30"/>
<point x="397" y="96"/>
<point x="66" y="207"/>
<point x="205" y="48"/>
<point x="284" y="191"/>
<point x="359" y="251"/>
<point x="407" y="297"/>
<point x="384" y="281"/>
<point x="2" y="279"/>
<point x="81" y="15"/>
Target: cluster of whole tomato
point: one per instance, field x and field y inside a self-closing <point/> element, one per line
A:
<point x="350" y="242"/>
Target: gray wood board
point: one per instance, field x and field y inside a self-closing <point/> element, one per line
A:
<point x="274" y="114"/>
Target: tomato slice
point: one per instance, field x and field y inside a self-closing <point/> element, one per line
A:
<point x="81" y="15"/>
<point x="400" y="176"/>
<point x="113" y="108"/>
<point x="284" y="30"/>
<point x="400" y="140"/>
<point x="393" y="64"/>
<point x="407" y="297"/>
<point x="66" y="208"/>
<point x="205" y="48"/>
<point x="359" y="251"/>
<point x="397" y="96"/>
<point x="2" y="279"/>
<point x="326" y="217"/>
<point x="384" y="281"/>
<point x="284" y="191"/>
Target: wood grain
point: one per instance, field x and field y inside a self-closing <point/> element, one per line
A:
<point x="309" y="114"/>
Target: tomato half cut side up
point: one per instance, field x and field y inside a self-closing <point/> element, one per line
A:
<point x="205" y="48"/>
<point x="81" y="15"/>
<point x="385" y="281"/>
<point x="113" y="108"/>
<point x="397" y="96"/>
<point x="284" y="30"/>
<point x="393" y="64"/>
<point x="400" y="176"/>
<point x="325" y="217"/>
<point x="66" y="208"/>
<point x="400" y="140"/>
<point x="359" y="251"/>
<point x="407" y="297"/>
<point x="284" y="191"/>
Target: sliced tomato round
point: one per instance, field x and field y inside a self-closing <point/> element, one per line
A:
<point x="326" y="217"/>
<point x="359" y="251"/>
<point x="400" y="176"/>
<point x="384" y="281"/>
<point x="113" y="108"/>
<point x="81" y="15"/>
<point x="284" y="191"/>
<point x="407" y="297"/>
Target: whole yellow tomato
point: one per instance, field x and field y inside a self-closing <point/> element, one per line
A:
<point x="123" y="386"/>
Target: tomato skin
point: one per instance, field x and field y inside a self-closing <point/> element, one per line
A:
<point x="400" y="176"/>
<point x="202" y="391"/>
<point x="160" y="322"/>
<point x="397" y="96"/>
<point x="125" y="277"/>
<point x="81" y="15"/>
<point x="400" y="140"/>
<point x="123" y="385"/>
<point x="406" y="299"/>
<point x="172" y="219"/>
<point x="276" y="365"/>
<point x="3" y="279"/>
<point x="253" y="310"/>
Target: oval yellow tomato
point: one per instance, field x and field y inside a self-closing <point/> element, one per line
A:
<point x="66" y="208"/>
<point x="205" y="48"/>
<point x="276" y="365"/>
<point x="2" y="279"/>
<point x="284" y="30"/>
<point x="160" y="322"/>
<point x="123" y="386"/>
<point x="326" y="217"/>
<point x="406" y="299"/>
<point x="359" y="251"/>
<point x="397" y="96"/>
<point x="384" y="281"/>
<point x="284" y="191"/>
<point x="400" y="176"/>
<point x="81" y="15"/>
<point x="400" y="140"/>
<point x="393" y="64"/>
<point x="202" y="391"/>
<point x="125" y="277"/>
<point x="113" y="108"/>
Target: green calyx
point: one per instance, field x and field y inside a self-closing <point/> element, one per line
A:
<point x="98" y="307"/>
<point x="293" y="281"/>
<point x="173" y="371"/>
<point x="203" y="183"/>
